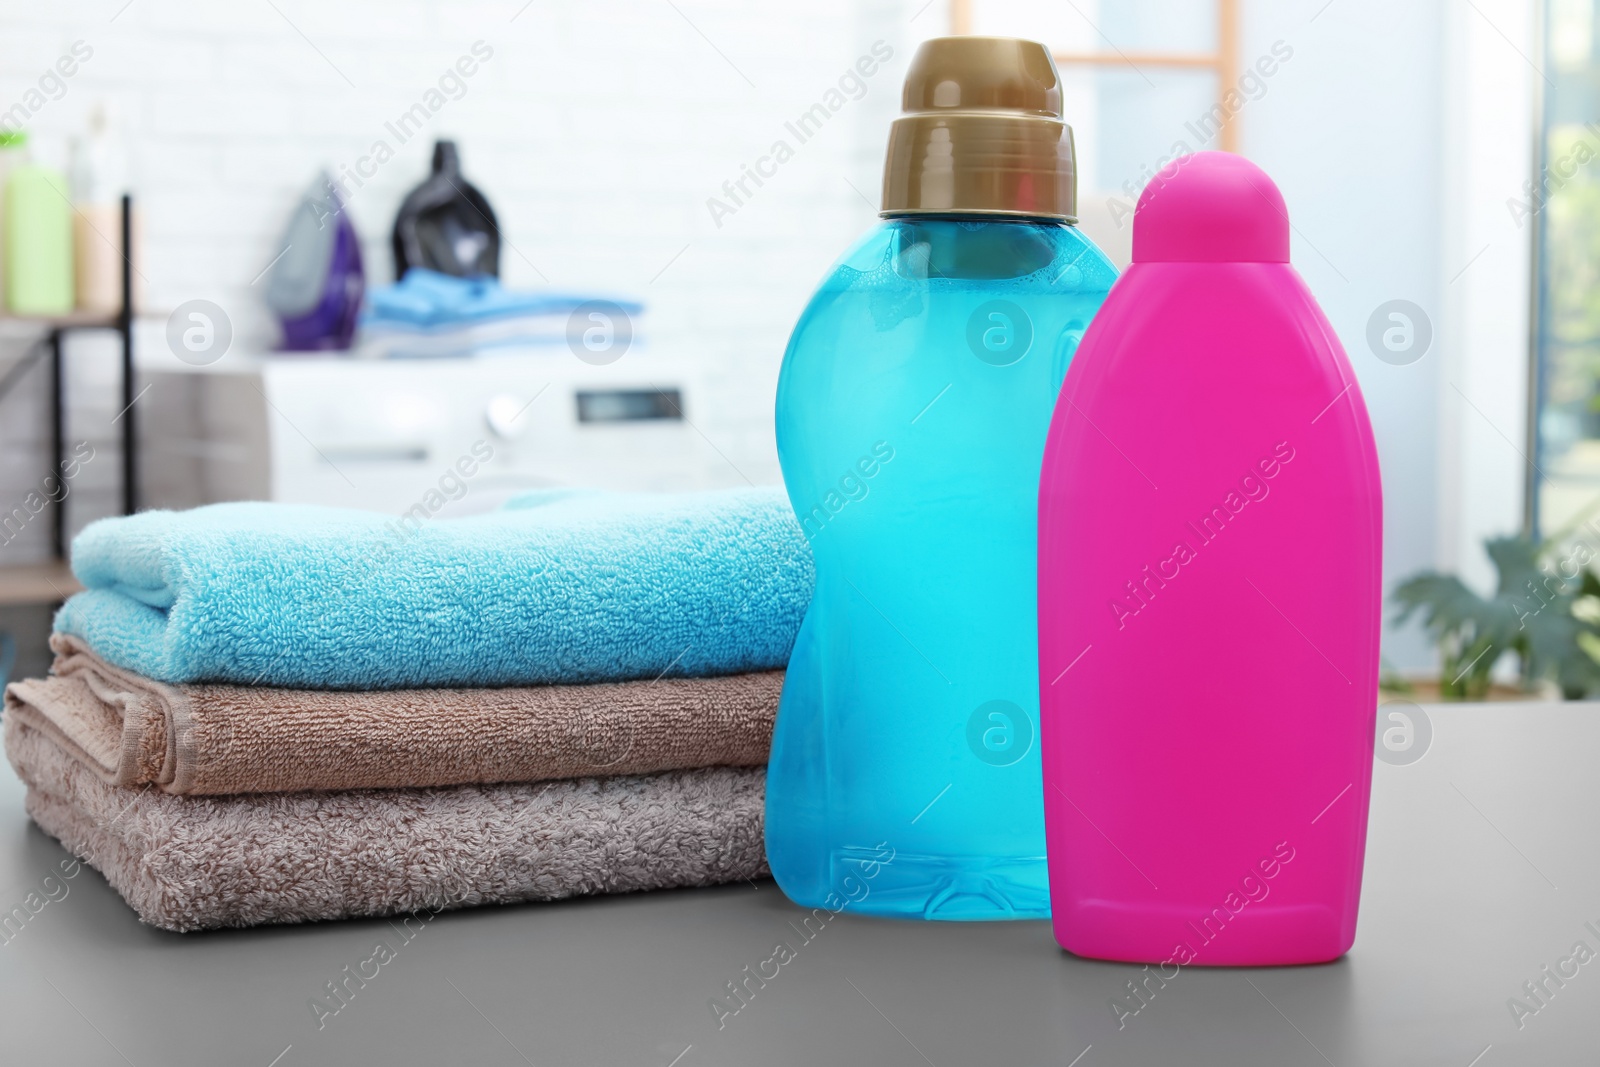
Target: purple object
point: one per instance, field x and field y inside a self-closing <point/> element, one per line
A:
<point x="318" y="282"/>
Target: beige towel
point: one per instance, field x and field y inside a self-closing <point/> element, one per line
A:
<point x="228" y="739"/>
<point x="190" y="863"/>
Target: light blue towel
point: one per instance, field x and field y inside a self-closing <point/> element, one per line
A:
<point x="559" y="586"/>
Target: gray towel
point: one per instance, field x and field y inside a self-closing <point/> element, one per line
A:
<point x="191" y="863"/>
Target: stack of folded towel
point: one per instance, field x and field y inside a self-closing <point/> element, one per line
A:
<point x="267" y="713"/>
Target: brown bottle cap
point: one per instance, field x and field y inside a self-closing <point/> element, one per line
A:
<point x="982" y="133"/>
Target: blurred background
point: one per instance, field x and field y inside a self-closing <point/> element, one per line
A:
<point x="661" y="183"/>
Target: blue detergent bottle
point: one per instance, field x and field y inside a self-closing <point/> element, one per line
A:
<point x="912" y="410"/>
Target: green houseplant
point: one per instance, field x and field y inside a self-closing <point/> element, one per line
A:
<point x="1545" y="610"/>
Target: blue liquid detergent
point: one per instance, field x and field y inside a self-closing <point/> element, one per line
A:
<point x="912" y="409"/>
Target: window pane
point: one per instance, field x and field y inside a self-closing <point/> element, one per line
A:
<point x="1126" y="122"/>
<point x="1568" y="339"/>
<point x="1103" y="25"/>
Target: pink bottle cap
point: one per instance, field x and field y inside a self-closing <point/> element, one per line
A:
<point x="1211" y="207"/>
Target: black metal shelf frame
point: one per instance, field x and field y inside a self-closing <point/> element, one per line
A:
<point x="123" y="324"/>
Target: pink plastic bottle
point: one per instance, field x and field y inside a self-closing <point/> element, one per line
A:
<point x="1210" y="524"/>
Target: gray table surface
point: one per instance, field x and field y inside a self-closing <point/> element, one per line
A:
<point x="1482" y="868"/>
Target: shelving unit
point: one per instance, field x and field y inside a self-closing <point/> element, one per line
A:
<point x="42" y="584"/>
<point x="38" y="583"/>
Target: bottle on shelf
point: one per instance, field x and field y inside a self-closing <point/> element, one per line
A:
<point x="36" y="232"/>
<point x="99" y="178"/>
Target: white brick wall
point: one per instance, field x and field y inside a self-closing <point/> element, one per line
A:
<point x="597" y="130"/>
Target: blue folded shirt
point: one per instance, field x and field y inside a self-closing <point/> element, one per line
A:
<point x="559" y="586"/>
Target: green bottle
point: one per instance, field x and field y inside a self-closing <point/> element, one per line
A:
<point x="37" y="233"/>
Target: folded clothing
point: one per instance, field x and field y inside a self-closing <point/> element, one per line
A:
<point x="558" y="586"/>
<point x="429" y="299"/>
<point x="191" y="863"/>
<point x="541" y="334"/>
<point x="225" y="739"/>
<point x="429" y="315"/>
